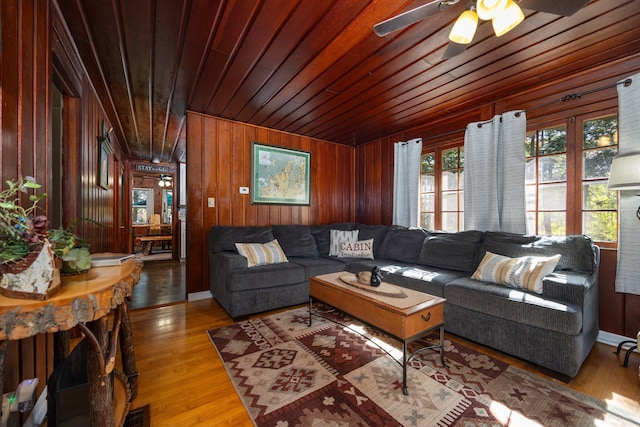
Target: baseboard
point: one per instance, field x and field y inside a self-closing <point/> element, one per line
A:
<point x="196" y="296"/>
<point x="611" y="339"/>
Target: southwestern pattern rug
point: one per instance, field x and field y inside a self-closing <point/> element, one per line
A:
<point x="291" y="374"/>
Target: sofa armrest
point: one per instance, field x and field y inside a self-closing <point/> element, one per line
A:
<point x="221" y="263"/>
<point x="569" y="287"/>
<point x="573" y="287"/>
<point x="228" y="261"/>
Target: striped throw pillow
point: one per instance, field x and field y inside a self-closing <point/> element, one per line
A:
<point x="525" y="272"/>
<point x="262" y="253"/>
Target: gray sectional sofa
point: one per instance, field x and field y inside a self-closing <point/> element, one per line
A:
<point x="554" y="329"/>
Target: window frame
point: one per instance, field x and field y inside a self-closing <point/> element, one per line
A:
<point x="574" y="154"/>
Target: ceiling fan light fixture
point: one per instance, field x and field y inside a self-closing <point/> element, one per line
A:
<point x="464" y="28"/>
<point x="510" y="17"/>
<point x="489" y="9"/>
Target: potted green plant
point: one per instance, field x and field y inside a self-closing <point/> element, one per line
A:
<point x="73" y="251"/>
<point x="26" y="260"/>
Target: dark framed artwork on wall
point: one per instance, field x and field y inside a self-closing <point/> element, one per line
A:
<point x="104" y="151"/>
<point x="280" y="176"/>
<point x="103" y="173"/>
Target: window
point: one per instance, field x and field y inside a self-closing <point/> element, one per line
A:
<point x="567" y="168"/>
<point x="546" y="181"/>
<point x="441" y="190"/>
<point x="452" y="189"/>
<point x="427" y="191"/>
<point x="599" y="205"/>
<point x="142" y="205"/>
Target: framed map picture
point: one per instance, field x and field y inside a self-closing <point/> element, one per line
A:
<point x="280" y="175"/>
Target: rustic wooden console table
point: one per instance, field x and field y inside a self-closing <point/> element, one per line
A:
<point x="85" y="301"/>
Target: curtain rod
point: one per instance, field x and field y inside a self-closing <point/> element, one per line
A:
<point x="569" y="97"/>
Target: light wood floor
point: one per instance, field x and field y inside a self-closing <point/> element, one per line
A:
<point x="185" y="383"/>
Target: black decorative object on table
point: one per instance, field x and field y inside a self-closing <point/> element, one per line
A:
<point x="376" y="278"/>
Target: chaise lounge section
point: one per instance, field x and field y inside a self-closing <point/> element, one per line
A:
<point x="553" y="326"/>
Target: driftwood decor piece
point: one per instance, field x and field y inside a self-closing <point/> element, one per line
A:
<point x="32" y="277"/>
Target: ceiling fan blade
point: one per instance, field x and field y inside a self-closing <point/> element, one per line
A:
<point x="454" y="49"/>
<point x="557" y="7"/>
<point x="411" y="17"/>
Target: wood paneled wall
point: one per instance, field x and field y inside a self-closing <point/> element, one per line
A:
<point x="219" y="162"/>
<point x="619" y="313"/>
<point x="35" y="52"/>
<point x="24" y="149"/>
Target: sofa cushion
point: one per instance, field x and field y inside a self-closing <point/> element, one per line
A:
<point x="264" y="276"/>
<point x="514" y="305"/>
<point x="430" y="280"/>
<point x="338" y="236"/>
<point x="262" y="253"/>
<point x="296" y="240"/>
<point x="523" y="272"/>
<point x="322" y="235"/>
<point x="225" y="237"/>
<point x="403" y="244"/>
<point x="455" y="251"/>
<point x="318" y="266"/>
<point x="577" y="251"/>
<point x="358" y="249"/>
<point x="375" y="232"/>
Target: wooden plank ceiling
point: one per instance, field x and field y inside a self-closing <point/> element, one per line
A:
<point x="315" y="67"/>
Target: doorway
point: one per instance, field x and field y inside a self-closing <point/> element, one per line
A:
<point x="155" y="240"/>
<point x="152" y="223"/>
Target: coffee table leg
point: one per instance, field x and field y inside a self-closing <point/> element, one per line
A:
<point x="310" y="306"/>
<point x="444" y="363"/>
<point x="405" y="390"/>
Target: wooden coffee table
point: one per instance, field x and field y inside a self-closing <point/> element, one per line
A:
<point x="404" y="314"/>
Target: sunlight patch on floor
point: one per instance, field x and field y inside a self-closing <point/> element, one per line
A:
<point x="509" y="417"/>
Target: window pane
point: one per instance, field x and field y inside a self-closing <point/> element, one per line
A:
<point x="552" y="168"/>
<point x="450" y="221"/>
<point x="530" y="145"/>
<point x="530" y="197"/>
<point x="552" y="223"/>
<point x="461" y="183"/>
<point x="531" y="223"/>
<point x="552" y="141"/>
<point x="450" y="180"/>
<point x="427" y="220"/>
<point x="600" y="132"/>
<point x="552" y="197"/>
<point x="461" y="201"/>
<point x="428" y="164"/>
<point x="595" y="196"/>
<point x="601" y="226"/>
<point x="140" y="215"/>
<point x="597" y="163"/>
<point x="450" y="159"/>
<point x="427" y="203"/>
<point x="450" y="201"/>
<point x="530" y="172"/>
<point x="426" y="183"/>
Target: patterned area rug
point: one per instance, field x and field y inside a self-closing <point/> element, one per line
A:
<point x="290" y="374"/>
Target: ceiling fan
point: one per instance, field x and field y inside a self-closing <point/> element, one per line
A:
<point x="504" y="15"/>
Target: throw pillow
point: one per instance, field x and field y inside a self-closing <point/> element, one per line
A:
<point x="338" y="236"/>
<point x="262" y="253"/>
<point x="525" y="272"/>
<point x="359" y="249"/>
